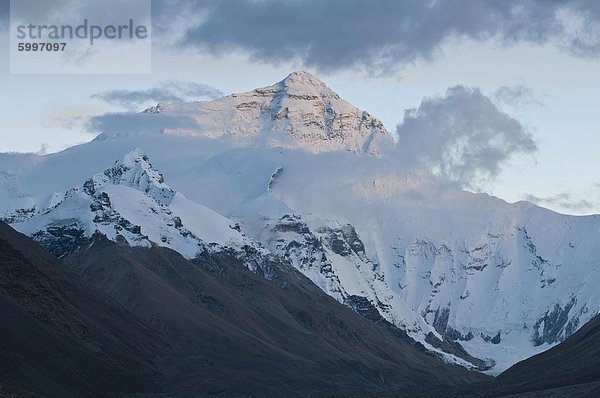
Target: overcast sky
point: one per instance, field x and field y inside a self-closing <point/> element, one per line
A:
<point x="514" y="85"/>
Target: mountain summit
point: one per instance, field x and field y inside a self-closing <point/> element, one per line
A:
<point x="302" y="83"/>
<point x="298" y="112"/>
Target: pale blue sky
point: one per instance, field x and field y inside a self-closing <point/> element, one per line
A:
<point x="49" y="112"/>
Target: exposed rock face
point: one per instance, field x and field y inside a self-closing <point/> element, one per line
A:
<point x="299" y="112"/>
<point x="61" y="240"/>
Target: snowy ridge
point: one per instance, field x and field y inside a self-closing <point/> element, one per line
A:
<point x="130" y="202"/>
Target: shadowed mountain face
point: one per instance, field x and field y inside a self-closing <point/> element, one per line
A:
<point x="148" y="320"/>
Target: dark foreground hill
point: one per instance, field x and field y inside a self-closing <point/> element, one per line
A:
<point x="112" y="320"/>
<point x="570" y="369"/>
<point x="58" y="339"/>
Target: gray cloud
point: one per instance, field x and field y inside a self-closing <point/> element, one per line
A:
<point x="564" y="200"/>
<point x="378" y="35"/>
<point x="126" y="123"/>
<point x="461" y="137"/>
<point x="170" y="91"/>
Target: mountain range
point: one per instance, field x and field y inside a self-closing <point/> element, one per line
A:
<point x="292" y="180"/>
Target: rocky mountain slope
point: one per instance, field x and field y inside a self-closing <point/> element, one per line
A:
<point x="114" y="320"/>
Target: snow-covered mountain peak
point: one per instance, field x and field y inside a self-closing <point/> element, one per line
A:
<point x="134" y="171"/>
<point x="299" y="112"/>
<point x="304" y="84"/>
<point x="128" y="202"/>
<point x="303" y="77"/>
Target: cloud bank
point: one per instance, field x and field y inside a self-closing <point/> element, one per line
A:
<point x="111" y="124"/>
<point x="169" y="91"/>
<point x="462" y="137"/>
